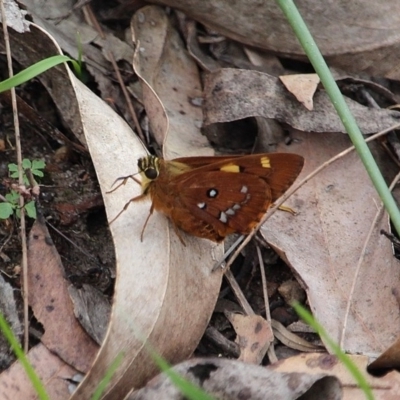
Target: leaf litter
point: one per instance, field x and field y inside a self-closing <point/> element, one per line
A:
<point x="323" y="254"/>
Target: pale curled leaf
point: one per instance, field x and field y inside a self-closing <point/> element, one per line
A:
<point x="164" y="292"/>
<point x="170" y="82"/>
<point x="302" y="86"/>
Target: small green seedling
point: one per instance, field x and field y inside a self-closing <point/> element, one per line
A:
<point x="35" y="166"/>
<point x="10" y="204"/>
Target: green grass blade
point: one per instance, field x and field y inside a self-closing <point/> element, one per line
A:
<point x="36" y="382"/>
<point x="33" y="71"/>
<point x="340" y="354"/>
<point x="107" y="377"/>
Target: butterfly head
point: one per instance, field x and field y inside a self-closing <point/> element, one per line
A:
<point x="149" y="170"/>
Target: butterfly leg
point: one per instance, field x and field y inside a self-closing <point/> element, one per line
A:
<point x="147" y="220"/>
<point x="178" y="233"/>
<point x="137" y="198"/>
<point x="124" y="179"/>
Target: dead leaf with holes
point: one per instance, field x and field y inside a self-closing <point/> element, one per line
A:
<point x="230" y="379"/>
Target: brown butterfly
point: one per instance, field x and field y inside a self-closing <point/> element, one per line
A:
<point x="212" y="197"/>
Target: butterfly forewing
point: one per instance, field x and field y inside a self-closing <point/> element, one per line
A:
<point x="279" y="170"/>
<point x="222" y="195"/>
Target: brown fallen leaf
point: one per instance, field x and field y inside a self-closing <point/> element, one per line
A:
<point x="51" y="303"/>
<point x="254" y="335"/>
<point x="53" y="372"/>
<point x="324" y="242"/>
<point x="302" y="86"/>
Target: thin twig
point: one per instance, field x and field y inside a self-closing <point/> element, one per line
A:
<point x="295" y="188"/>
<point x="271" y="351"/>
<point x="25" y="289"/>
<point x="239" y="294"/>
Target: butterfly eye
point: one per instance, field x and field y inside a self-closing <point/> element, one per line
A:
<point x="151" y="173"/>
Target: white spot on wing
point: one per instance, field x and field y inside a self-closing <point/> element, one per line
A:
<point x="230" y="211"/>
<point x="223" y="217"/>
<point x="212" y="193"/>
<point x="244" y="189"/>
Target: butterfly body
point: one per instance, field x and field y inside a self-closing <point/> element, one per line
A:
<point x="212" y="197"/>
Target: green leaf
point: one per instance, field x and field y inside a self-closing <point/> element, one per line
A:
<point x="30" y="209"/>
<point x="13" y="167"/>
<point x="6" y="210"/>
<point x="37" y="173"/>
<point x="26" y="163"/>
<point x="38" y="164"/>
<point x="12" y="197"/>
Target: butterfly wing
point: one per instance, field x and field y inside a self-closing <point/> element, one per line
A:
<point x="216" y="196"/>
<point x="219" y="203"/>
<point x="278" y="170"/>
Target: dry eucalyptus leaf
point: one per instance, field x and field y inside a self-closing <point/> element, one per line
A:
<point x="232" y="94"/>
<point x="51" y="304"/>
<point x="323" y="244"/>
<point x="228" y="379"/>
<point x="302" y="86"/>
<point x="383" y="388"/>
<point x="171" y="78"/>
<point x="54" y="372"/>
<point x="165" y="292"/>
<point x="355" y="36"/>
